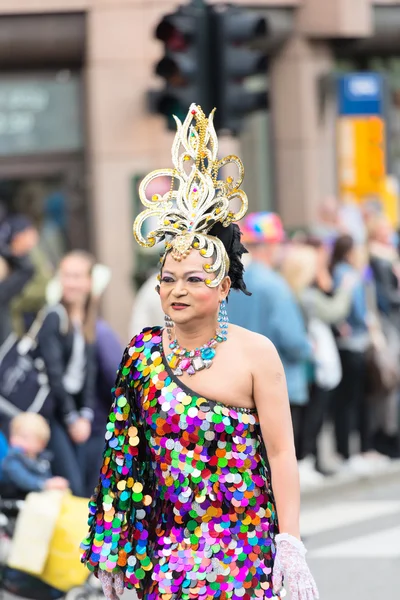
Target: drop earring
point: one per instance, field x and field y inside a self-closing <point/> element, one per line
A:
<point x="169" y="325"/>
<point x="223" y="321"/>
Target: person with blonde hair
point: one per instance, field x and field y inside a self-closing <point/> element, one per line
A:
<point x="25" y="466"/>
<point x="306" y="270"/>
<point x="299" y="267"/>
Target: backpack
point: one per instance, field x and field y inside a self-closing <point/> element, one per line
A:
<point x="24" y="385"/>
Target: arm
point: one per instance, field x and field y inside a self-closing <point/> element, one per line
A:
<point x="287" y="327"/>
<point x="51" y="351"/>
<point x="126" y="487"/>
<point x="270" y="396"/>
<point x="359" y="304"/>
<point x="358" y="297"/>
<point x="19" y="475"/>
<point x="22" y="272"/>
<point x="329" y="309"/>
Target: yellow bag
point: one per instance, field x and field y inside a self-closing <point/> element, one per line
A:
<point x="34" y="528"/>
<point x="63" y="569"/>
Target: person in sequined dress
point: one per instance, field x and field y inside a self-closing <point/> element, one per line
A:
<point x="186" y="508"/>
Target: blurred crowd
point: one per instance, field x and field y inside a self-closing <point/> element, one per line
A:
<point x="58" y="361"/>
<point x="328" y="298"/>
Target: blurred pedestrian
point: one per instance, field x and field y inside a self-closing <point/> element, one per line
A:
<point x="328" y="225"/>
<point x="385" y="265"/>
<point x="306" y="269"/>
<point x="26" y="305"/>
<point x="351" y="405"/>
<point x="108" y="356"/>
<point x="69" y="354"/>
<point x="272" y="309"/>
<point x="147" y="311"/>
<point x="26" y="467"/>
<point x="17" y="270"/>
<point x="353" y="222"/>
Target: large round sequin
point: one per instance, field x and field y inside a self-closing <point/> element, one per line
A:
<point x="184" y="505"/>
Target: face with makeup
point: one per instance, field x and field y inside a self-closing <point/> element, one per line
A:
<point x="184" y="293"/>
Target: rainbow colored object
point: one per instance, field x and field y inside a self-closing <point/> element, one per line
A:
<point x="262" y="227"/>
<point x="184" y="506"/>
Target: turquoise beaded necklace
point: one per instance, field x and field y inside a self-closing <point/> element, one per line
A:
<point x="182" y="360"/>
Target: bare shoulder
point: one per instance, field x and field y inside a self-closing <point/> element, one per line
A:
<point x="258" y="347"/>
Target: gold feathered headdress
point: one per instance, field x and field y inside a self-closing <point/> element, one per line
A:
<point x="197" y="198"/>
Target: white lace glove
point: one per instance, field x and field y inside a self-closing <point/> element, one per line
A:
<point x="112" y="584"/>
<point x="290" y="562"/>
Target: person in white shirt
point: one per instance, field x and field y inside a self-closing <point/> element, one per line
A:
<point x="147" y="311"/>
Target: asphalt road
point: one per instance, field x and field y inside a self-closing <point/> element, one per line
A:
<point x="353" y="541"/>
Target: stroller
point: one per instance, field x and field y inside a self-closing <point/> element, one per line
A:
<point x="24" y="585"/>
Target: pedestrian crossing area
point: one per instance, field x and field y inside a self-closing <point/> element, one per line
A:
<point x="353" y="529"/>
<point x="386" y="544"/>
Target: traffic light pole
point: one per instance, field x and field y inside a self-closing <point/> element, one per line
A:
<point x="205" y="32"/>
<point x="186" y="66"/>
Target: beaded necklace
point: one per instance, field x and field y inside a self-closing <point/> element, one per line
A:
<point x="182" y="360"/>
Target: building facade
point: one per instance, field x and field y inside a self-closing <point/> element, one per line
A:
<point x="74" y="121"/>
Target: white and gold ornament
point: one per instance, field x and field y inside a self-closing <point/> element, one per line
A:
<point x="197" y="199"/>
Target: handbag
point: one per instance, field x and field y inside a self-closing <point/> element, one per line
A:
<point x="24" y="385"/>
<point x="34" y="528"/>
<point x="328" y="368"/>
<point x="64" y="569"/>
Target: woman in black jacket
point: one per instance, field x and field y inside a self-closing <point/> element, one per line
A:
<point x="67" y="346"/>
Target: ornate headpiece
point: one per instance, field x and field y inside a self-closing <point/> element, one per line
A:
<point x="197" y="199"/>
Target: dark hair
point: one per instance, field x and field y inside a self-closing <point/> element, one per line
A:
<point x="342" y="246"/>
<point x="313" y="241"/>
<point x="231" y="238"/>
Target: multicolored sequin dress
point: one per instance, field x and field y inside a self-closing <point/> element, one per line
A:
<point x="184" y="505"/>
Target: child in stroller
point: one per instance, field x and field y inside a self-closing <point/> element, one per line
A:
<point x="25" y="468"/>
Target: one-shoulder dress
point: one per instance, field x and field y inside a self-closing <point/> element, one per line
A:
<point x="184" y="505"/>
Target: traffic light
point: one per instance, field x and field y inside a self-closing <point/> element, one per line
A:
<point x="216" y="55"/>
<point x="236" y="31"/>
<point x="185" y="65"/>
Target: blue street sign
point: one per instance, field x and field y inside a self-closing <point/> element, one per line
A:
<point x="360" y="94"/>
